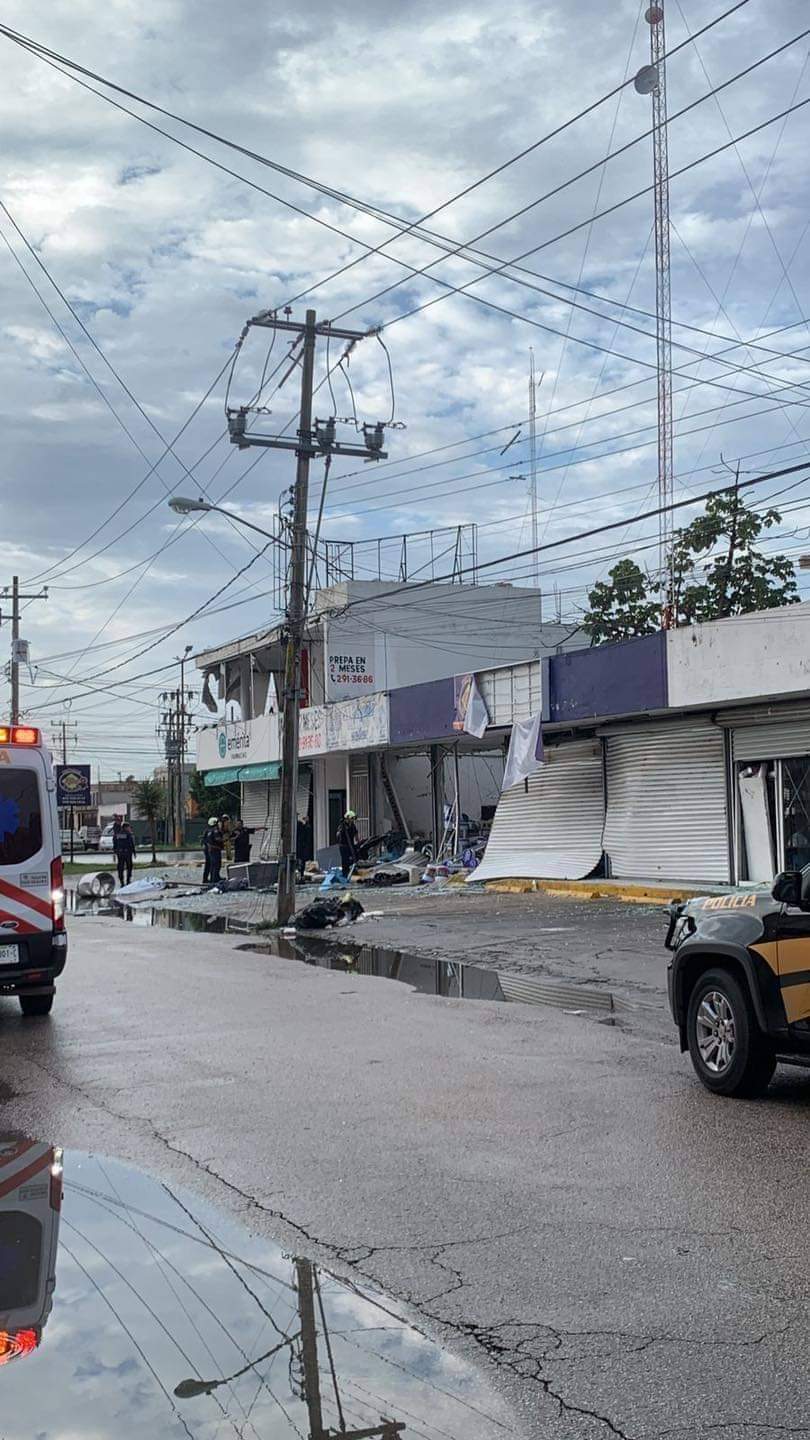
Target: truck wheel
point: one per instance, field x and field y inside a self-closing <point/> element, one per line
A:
<point x="729" y="1052"/>
<point x="36" y="1004"/>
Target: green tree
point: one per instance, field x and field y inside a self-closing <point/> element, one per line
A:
<point x="213" y="799"/>
<point x="150" y="802"/>
<point x="717" y="571"/>
<point x="623" y="605"/>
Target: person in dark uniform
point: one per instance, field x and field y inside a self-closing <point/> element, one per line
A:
<point x="125" y="853"/>
<point x="215" y="842"/>
<point x="241" y="843"/>
<point x="347" y="838"/>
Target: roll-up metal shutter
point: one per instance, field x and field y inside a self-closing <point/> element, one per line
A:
<point x="359" y="796"/>
<point x="261" y="811"/>
<point x="550" y="828"/>
<point x="666" y="803"/>
<point x="771" y="740"/>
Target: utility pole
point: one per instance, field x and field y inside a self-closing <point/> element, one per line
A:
<point x="313" y="439"/>
<point x="16" y="596"/>
<point x="174" y="726"/>
<point x="182" y="726"/>
<point x="309" y="1348"/>
<point x="652" y="80"/>
<point x="386" y="1430"/>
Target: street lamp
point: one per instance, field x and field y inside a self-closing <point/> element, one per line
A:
<point x="183" y="506"/>
<point x="188" y="1389"/>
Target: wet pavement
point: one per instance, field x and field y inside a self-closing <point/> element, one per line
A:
<point x="558" y="1204"/>
<point x="131" y="1307"/>
<point x="526" y="973"/>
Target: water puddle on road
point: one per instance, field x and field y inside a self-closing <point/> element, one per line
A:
<point x="450" y="978"/>
<point x="131" y="1308"/>
<point x="429" y="976"/>
<point x="343" y="951"/>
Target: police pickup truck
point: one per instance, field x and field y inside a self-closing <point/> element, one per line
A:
<point x="739" y="982"/>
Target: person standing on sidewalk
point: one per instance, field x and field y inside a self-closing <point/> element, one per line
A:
<point x="125" y="853"/>
<point x="347" y="838"/>
<point x="215" y="843"/>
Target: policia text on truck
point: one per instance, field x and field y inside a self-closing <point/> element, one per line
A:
<point x="739" y="982"/>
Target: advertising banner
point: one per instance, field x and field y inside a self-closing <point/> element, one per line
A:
<point x="238" y="742"/>
<point x="354" y="660"/>
<point x="348" y="725"/>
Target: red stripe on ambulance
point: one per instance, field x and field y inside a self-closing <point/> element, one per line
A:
<point x="22" y="1176"/>
<point x="24" y="897"/>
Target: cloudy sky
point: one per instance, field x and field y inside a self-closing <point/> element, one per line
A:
<point x="163" y="257"/>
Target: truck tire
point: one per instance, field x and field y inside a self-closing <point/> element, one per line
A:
<point x="36" y="1004"/>
<point x="730" y="1054"/>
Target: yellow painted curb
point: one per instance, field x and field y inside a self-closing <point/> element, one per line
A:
<point x="630" y="894"/>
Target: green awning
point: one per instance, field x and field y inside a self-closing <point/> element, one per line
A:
<point x="225" y="776"/>
<point x="269" y="770"/>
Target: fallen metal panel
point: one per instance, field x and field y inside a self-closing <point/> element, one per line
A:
<point x="551" y="827"/>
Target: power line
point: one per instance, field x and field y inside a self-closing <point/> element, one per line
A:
<point x="563" y="235"/>
<point x="50" y="56"/>
<point x="583" y="535"/>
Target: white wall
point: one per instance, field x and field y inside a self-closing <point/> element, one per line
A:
<point x="425" y="634"/>
<point x="747" y="656"/>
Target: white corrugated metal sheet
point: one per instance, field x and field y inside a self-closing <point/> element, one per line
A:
<point x="551" y="829"/>
<point x="511" y="693"/>
<point x="666" y="803"/>
<point x="261" y="811"/>
<point x="772" y="739"/>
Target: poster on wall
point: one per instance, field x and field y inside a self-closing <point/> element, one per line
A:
<point x="354" y="661"/>
<point x="356" y="724"/>
<point x="471" y="715"/>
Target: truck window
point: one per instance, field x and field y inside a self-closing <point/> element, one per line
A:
<point x="20" y="816"/>
<point x="20" y="1259"/>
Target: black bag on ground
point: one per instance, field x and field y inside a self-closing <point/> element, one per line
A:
<point x="326" y="913"/>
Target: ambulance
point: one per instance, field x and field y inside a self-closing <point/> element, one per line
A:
<point x="30" y="1206"/>
<point x="33" y="940"/>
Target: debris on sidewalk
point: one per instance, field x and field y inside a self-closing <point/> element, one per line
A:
<point x="100" y="883"/>
<point x="328" y="913"/>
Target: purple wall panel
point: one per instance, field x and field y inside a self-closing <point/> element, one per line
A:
<point x="422" y="712"/>
<point x="629" y="677"/>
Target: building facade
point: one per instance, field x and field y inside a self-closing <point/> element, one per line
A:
<point x="368" y="644"/>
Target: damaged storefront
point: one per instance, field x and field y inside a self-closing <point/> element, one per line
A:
<point x="769" y="754"/>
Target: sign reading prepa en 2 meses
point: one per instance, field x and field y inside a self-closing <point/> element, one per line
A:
<point x="73" y="786"/>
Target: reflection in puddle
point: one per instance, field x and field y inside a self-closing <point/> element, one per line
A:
<point x="428" y="976"/>
<point x="134" y="1309"/>
<point x="423" y="973"/>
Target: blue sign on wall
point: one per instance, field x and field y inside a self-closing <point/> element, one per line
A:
<point x="73" y="786"/>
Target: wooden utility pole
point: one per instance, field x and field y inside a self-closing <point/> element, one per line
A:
<point x="309" y="1349"/>
<point x="386" y="1430"/>
<point x="317" y="439"/>
<point x="16" y="596"/>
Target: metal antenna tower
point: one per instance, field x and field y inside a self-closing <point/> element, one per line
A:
<point x="652" y="80"/>
<point x="533" y="475"/>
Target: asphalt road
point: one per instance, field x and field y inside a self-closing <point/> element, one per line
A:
<point x="559" y="1199"/>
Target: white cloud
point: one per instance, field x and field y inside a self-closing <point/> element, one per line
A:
<point x="165" y="258"/>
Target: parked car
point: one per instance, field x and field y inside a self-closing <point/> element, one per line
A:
<point x="106" y="839"/>
<point x="89" y="837"/>
<point x="739" y="982"/>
